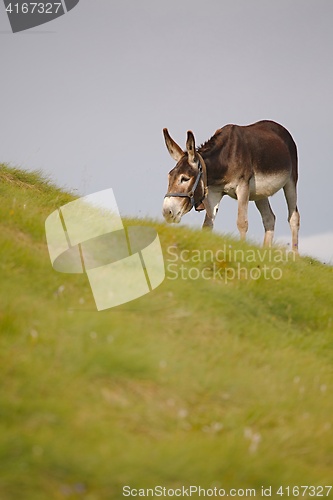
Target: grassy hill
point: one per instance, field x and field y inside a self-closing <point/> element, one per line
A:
<point x="222" y="377"/>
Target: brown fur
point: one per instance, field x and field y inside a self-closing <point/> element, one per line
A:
<point x="245" y="162"/>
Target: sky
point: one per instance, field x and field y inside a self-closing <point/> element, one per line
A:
<point x="85" y="97"/>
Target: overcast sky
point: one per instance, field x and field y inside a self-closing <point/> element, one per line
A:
<point x="85" y="97"/>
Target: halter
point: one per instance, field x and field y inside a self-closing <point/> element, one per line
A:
<point x="201" y="174"/>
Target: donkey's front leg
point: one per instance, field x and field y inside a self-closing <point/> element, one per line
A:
<point x="211" y="204"/>
<point x="242" y="192"/>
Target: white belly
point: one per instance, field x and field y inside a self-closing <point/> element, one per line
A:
<point x="262" y="186"/>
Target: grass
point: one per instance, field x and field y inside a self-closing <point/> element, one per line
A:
<point x="219" y="381"/>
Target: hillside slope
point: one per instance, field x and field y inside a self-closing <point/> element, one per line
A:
<point x="221" y="377"/>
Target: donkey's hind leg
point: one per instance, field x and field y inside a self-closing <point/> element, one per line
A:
<point x="268" y="219"/>
<point x="293" y="213"/>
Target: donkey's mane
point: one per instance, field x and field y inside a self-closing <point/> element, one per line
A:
<point x="209" y="144"/>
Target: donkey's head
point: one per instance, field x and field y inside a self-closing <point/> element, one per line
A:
<point x="186" y="180"/>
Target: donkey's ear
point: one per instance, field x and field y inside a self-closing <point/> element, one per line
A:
<point x="175" y="151"/>
<point x="190" y="147"/>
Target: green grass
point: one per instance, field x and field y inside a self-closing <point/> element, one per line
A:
<point x="218" y="381"/>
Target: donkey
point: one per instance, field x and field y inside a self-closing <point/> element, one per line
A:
<point x="247" y="163"/>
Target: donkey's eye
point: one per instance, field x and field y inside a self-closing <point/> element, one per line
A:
<point x="184" y="178"/>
